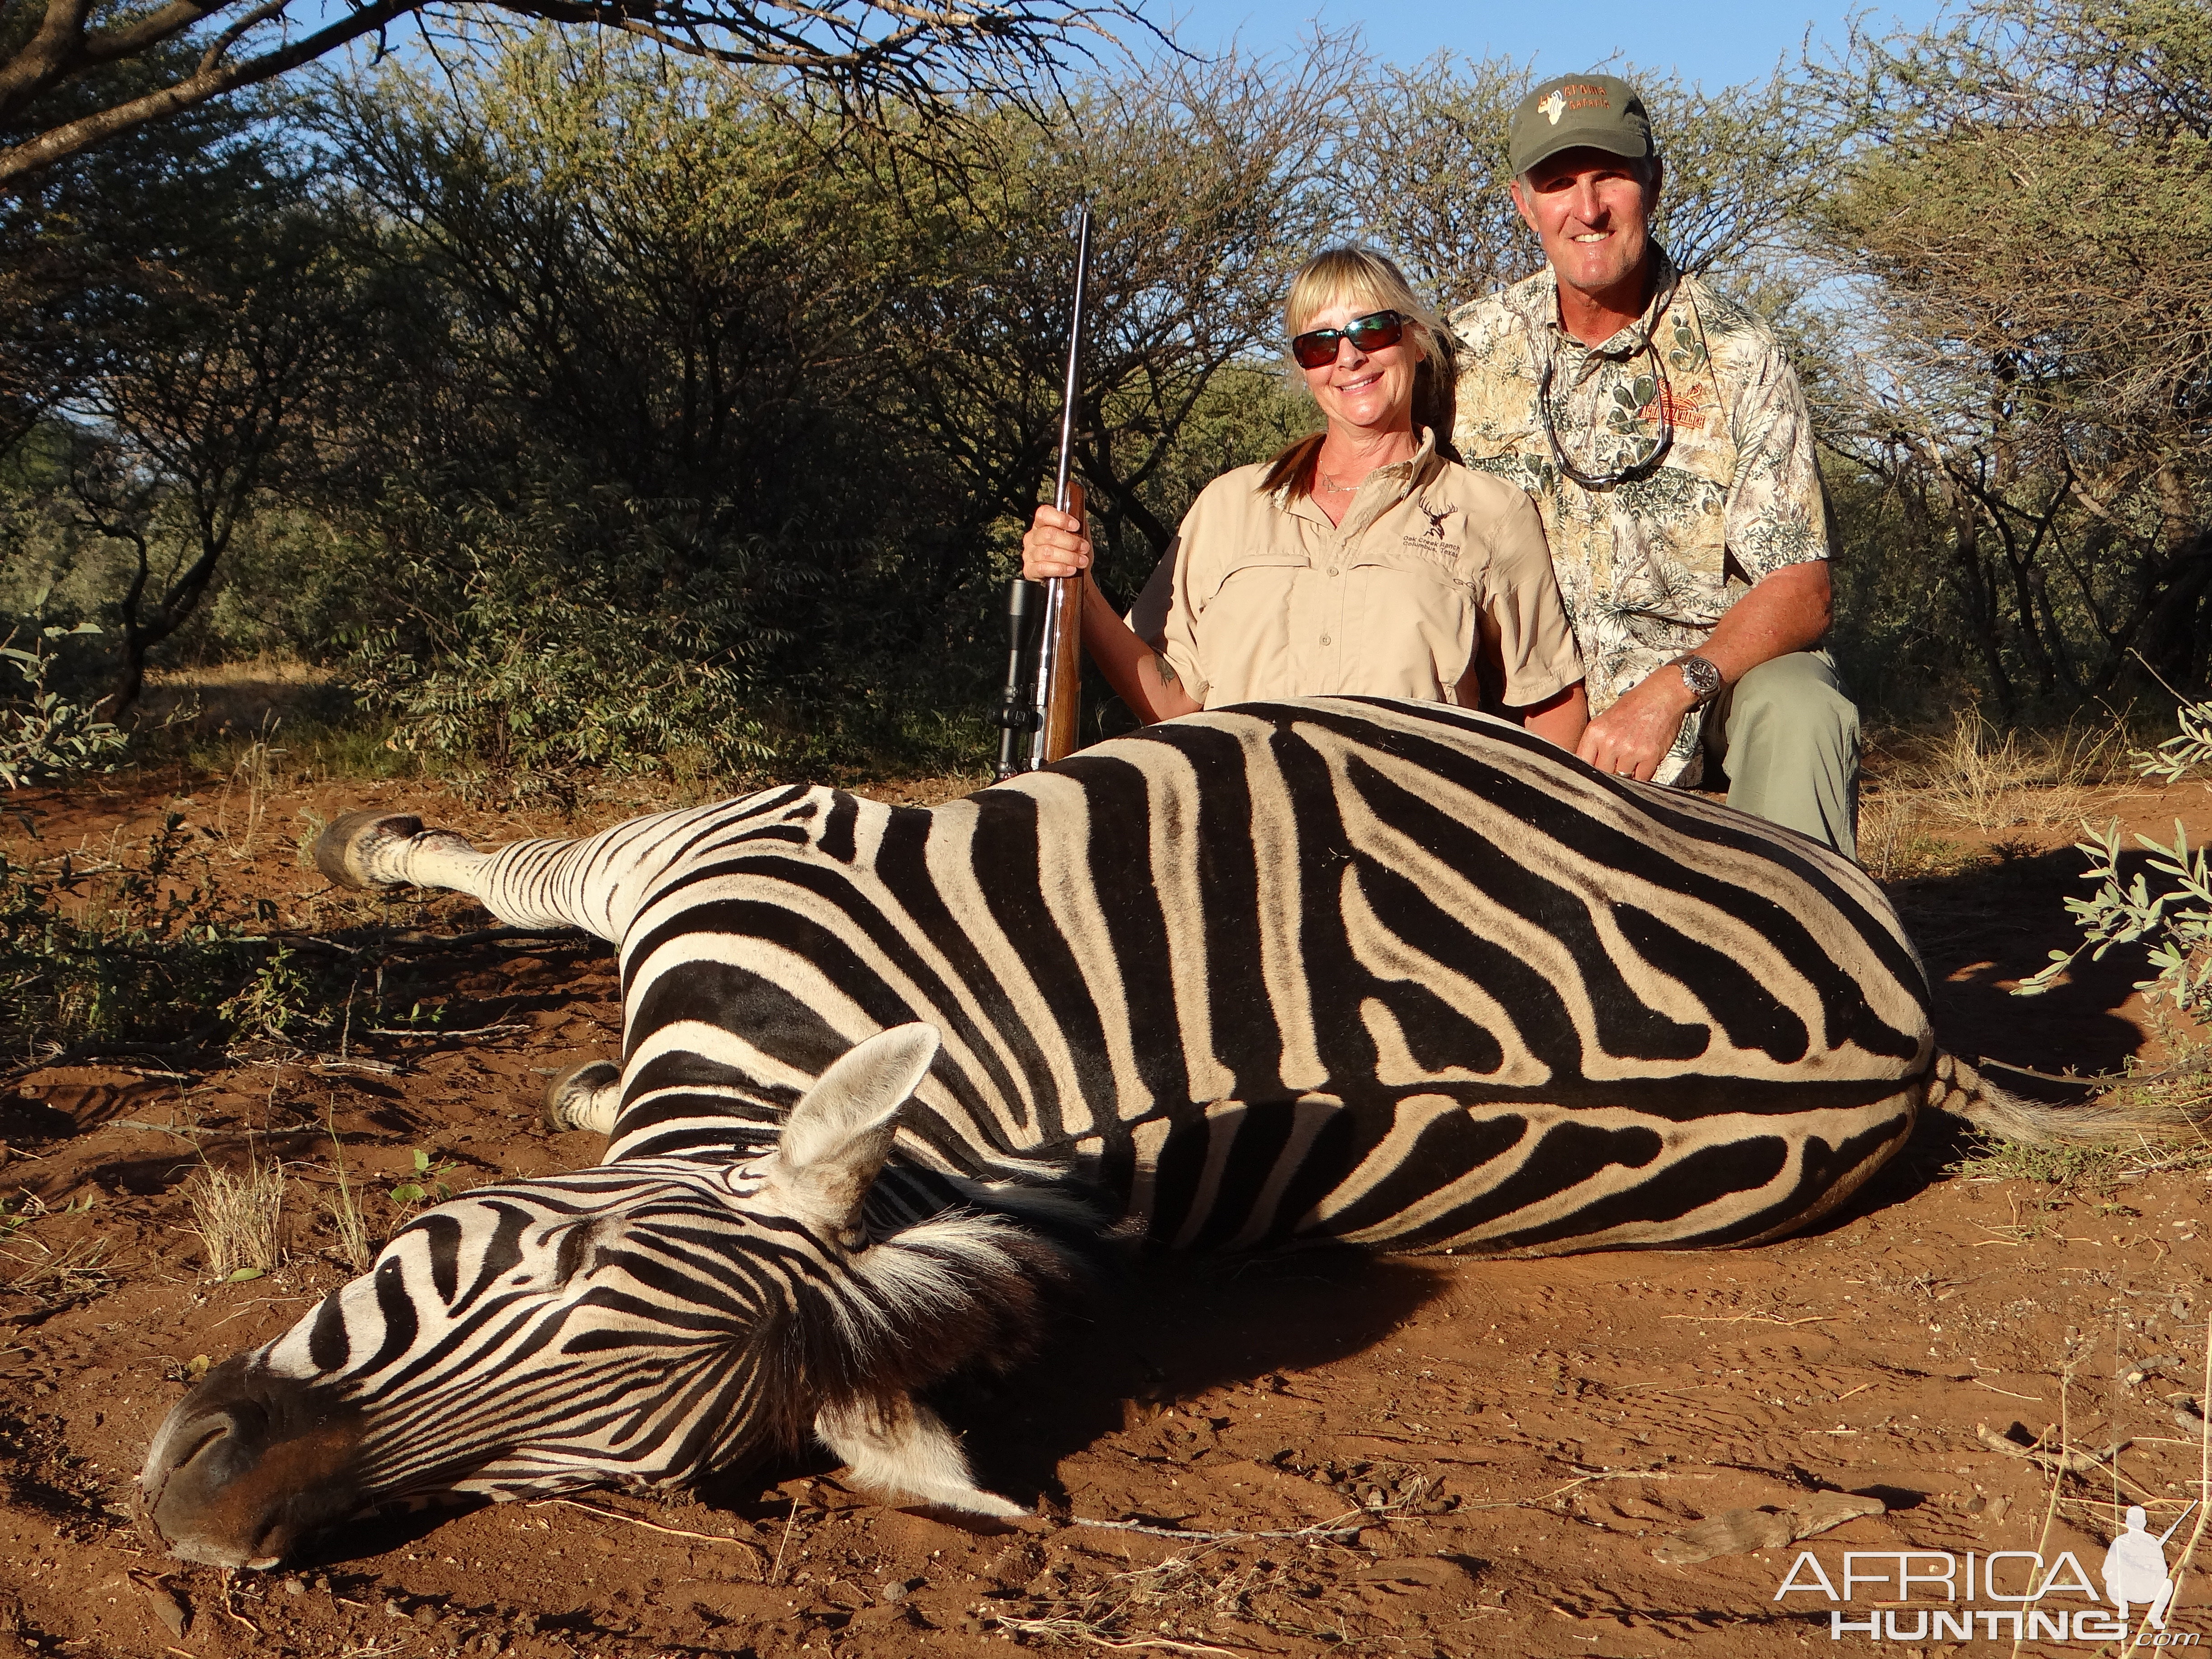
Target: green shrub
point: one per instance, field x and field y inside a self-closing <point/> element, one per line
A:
<point x="45" y="734"/>
<point x="142" y="950"/>
<point x="2167" y="908"/>
<point x="581" y="631"/>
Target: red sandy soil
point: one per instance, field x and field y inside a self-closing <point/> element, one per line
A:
<point x="1483" y="1456"/>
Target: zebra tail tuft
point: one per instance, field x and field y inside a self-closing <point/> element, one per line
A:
<point x="1958" y="1091"/>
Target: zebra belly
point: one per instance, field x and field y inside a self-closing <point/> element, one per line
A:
<point x="1430" y="1172"/>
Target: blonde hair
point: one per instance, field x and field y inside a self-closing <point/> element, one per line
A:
<point x="1362" y="277"/>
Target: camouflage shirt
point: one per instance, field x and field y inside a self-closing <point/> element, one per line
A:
<point x="1648" y="566"/>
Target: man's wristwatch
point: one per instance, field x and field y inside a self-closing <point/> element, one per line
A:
<point x="1702" y="679"/>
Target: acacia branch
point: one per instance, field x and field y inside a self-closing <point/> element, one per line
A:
<point x="70" y="138"/>
<point x="923" y="55"/>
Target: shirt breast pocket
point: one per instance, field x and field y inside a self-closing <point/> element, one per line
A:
<point x="1253" y="573"/>
<point x="1415" y="564"/>
<point x="1415" y="607"/>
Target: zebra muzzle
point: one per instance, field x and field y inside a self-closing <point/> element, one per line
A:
<point x="247" y="1466"/>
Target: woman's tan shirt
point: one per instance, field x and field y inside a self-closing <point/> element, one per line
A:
<point x="1259" y="596"/>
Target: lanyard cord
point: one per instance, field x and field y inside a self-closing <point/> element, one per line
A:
<point x="1648" y="462"/>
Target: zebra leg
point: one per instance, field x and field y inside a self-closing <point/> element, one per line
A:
<point x="375" y="850"/>
<point x="584" y="1096"/>
<point x="525" y="884"/>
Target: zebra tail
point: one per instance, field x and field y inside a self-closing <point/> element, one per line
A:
<point x="1957" y="1089"/>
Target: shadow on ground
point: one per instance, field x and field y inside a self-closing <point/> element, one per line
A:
<point x="1982" y="930"/>
<point x="1174" y="1328"/>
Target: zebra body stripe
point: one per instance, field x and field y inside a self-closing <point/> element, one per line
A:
<point x="1393" y="974"/>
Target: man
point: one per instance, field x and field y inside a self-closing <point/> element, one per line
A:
<point x="2135" y="1568"/>
<point x="1666" y="440"/>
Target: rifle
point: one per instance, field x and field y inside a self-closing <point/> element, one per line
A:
<point x="1037" y="714"/>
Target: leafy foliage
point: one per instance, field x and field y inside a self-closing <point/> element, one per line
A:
<point x="2167" y="907"/>
<point x="574" y="633"/>
<point x="141" y="951"/>
<point x="2023" y="213"/>
<point x="44" y="734"/>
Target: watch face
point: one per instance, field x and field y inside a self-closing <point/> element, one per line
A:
<point x="1702" y="678"/>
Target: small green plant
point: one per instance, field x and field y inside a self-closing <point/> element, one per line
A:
<point x="2172" y="918"/>
<point x="278" y="1001"/>
<point x="425" y="1184"/>
<point x="145" y="947"/>
<point x="2166" y="907"/>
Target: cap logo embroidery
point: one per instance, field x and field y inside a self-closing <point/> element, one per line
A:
<point x="1554" y="107"/>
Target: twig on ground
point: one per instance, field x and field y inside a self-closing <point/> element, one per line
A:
<point x="2203" y="1503"/>
<point x="651" y="1526"/>
<point x="1351" y="1522"/>
<point x="776" y="1572"/>
<point x="79" y="1053"/>
<point x="2094" y="1080"/>
<point x="415" y="940"/>
<point x="191" y="1135"/>
<point x="432" y="1031"/>
<point x="2055" y="1460"/>
<point x="1754" y="1319"/>
<point x="1079" y="1631"/>
<point x="2057" y="1474"/>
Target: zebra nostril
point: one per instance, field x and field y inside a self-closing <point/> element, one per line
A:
<point x="218" y="1430"/>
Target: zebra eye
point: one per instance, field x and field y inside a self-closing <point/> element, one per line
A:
<point x="745" y="1179"/>
<point x="558" y="1255"/>
<point x="575" y="1249"/>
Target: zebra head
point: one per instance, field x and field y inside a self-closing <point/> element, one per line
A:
<point x="639" y="1324"/>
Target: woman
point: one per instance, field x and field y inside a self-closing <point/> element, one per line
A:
<point x="1359" y="561"/>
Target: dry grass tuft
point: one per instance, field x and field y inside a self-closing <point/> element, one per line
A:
<point x="347" y="1220"/>
<point x="30" y="1266"/>
<point x="1895" y="843"/>
<point x="1996" y="780"/>
<point x="238" y="1218"/>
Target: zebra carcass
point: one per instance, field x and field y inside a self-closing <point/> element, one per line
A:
<point x="1331" y="970"/>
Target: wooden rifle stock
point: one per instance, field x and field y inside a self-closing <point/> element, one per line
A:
<point x="1060" y="682"/>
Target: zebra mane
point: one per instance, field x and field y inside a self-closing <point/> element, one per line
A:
<point x="961" y="1289"/>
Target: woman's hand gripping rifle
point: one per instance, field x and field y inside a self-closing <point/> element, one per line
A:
<point x="1044" y="620"/>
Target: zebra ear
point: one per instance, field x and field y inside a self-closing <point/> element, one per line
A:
<point x="836" y="1138"/>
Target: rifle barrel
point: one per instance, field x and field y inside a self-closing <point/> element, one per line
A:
<point x="1072" y="388"/>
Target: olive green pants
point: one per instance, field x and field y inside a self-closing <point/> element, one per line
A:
<point x="1787" y="734"/>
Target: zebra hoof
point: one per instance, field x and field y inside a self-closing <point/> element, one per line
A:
<point x="349" y="842"/>
<point x="583" y="1097"/>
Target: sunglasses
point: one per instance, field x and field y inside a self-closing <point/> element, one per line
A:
<point x="1377" y="330"/>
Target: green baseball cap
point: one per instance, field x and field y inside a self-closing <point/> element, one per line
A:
<point x="1569" y="112"/>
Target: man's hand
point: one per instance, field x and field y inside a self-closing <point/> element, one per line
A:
<point x="1632" y="737"/>
<point x="1786" y="612"/>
